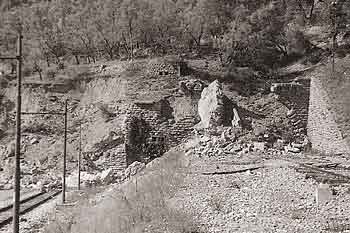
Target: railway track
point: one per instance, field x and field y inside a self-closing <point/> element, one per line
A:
<point x="26" y="205"/>
<point x="322" y="171"/>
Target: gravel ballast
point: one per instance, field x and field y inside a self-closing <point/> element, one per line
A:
<point x="270" y="199"/>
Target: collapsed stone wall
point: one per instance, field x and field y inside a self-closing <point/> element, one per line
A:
<point x="158" y="126"/>
<point x="295" y="96"/>
<point x="147" y="131"/>
<point x="323" y="129"/>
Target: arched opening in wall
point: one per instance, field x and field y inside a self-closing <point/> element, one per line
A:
<point x="296" y="97"/>
<point x="137" y="134"/>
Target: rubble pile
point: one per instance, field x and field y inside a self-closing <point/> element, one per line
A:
<point x="32" y="177"/>
<point x="229" y="140"/>
<point x="160" y="67"/>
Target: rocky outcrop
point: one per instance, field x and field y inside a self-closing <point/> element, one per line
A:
<point x="214" y="108"/>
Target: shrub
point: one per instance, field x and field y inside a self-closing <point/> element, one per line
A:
<point x="50" y="74"/>
<point x="60" y="66"/>
<point x="216" y="203"/>
<point x="27" y="71"/>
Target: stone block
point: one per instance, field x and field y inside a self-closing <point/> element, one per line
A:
<point x="323" y="194"/>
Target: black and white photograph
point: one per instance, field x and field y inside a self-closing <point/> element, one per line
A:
<point x="174" y="116"/>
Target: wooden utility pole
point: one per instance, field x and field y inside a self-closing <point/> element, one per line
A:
<point x="65" y="113"/>
<point x="17" y="184"/>
<point x="334" y="39"/>
<point x="334" y="34"/>
<point x="17" y="175"/>
<point x="64" y="152"/>
<point x="79" y="159"/>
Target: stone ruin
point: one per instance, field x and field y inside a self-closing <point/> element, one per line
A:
<point x="150" y="128"/>
<point x="295" y="96"/>
<point x="160" y="67"/>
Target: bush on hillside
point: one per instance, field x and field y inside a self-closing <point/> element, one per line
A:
<point x="50" y="74"/>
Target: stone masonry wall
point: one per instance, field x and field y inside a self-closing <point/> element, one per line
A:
<point x="323" y="130"/>
<point x="157" y="119"/>
<point x="295" y="96"/>
<point x="143" y="122"/>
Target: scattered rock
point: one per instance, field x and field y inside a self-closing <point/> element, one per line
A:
<point x="134" y="168"/>
<point x="107" y="176"/>
<point x="34" y="141"/>
<point x="236" y="121"/>
<point x="292" y="149"/>
<point x="102" y="67"/>
<point x="10" y="149"/>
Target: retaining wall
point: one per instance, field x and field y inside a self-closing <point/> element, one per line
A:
<point x="295" y="96"/>
<point x="325" y="130"/>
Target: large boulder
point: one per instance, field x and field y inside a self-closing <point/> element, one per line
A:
<point x="214" y="108"/>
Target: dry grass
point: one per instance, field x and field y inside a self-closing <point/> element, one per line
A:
<point x="140" y="205"/>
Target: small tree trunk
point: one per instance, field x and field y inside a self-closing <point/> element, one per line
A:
<point x="40" y="75"/>
<point x="77" y="59"/>
<point x="111" y="55"/>
<point x="13" y="68"/>
<point x="47" y="61"/>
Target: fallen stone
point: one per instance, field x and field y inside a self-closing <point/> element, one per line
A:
<point x="291" y="149"/>
<point x="236" y="121"/>
<point x="106" y="176"/>
<point x="297" y="145"/>
<point x="102" y="67"/>
<point x="34" y="141"/>
<point x="290" y="112"/>
<point x="134" y="168"/>
<point x="8" y="186"/>
<point x="236" y="148"/>
<point x="10" y="149"/>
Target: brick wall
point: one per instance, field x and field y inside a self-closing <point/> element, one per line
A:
<point x="323" y="129"/>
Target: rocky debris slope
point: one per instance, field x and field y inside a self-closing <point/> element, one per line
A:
<point x="271" y="199"/>
<point x="220" y="141"/>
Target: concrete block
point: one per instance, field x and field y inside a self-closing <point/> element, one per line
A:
<point x="323" y="194"/>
